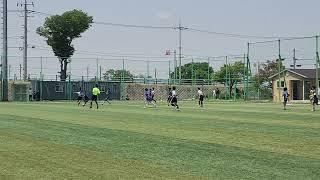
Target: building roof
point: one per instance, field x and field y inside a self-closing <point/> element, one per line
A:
<point x="305" y="73"/>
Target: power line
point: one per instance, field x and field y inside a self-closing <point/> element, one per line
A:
<point x="119" y="55"/>
<point x="231" y="35"/>
<point x="133" y="26"/>
<point x="284" y="39"/>
<point x="41" y="13"/>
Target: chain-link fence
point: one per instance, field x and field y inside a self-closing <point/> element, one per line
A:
<point x="232" y="77"/>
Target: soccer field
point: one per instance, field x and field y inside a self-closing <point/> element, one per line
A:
<point x="126" y="141"/>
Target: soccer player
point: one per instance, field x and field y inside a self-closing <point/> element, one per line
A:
<point x="148" y="98"/>
<point x="152" y="95"/>
<point x="30" y="94"/>
<point x="85" y="98"/>
<point x="80" y="97"/>
<point x="201" y="97"/>
<point x="217" y="93"/>
<point x="169" y="97"/>
<point x="313" y="98"/>
<point x="108" y="97"/>
<point x="285" y="95"/>
<point x="95" y="93"/>
<point x="174" y="100"/>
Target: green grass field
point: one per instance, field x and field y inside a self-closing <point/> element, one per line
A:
<point x="126" y="141"/>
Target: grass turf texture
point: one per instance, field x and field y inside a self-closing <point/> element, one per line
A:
<point x="126" y="141"/>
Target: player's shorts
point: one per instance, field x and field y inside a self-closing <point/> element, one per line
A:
<point x="315" y="101"/>
<point x="201" y="98"/>
<point x="174" y="100"/>
<point x="94" y="97"/>
<point x="285" y="100"/>
<point x="79" y="98"/>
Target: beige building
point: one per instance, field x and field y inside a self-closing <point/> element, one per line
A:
<point x="298" y="82"/>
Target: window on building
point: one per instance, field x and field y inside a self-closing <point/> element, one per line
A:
<point x="59" y="87"/>
<point x="281" y="85"/>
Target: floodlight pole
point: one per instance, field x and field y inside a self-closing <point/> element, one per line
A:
<point x="317" y="65"/>
<point x="226" y="76"/>
<point x="244" y="77"/>
<point x="25" y="42"/>
<point x="247" y="63"/>
<point x="279" y="68"/>
<point x="209" y="71"/>
<point x="5" y="53"/>
<point x="175" y="65"/>
<point x="169" y="73"/>
<point x="97" y="68"/>
<point x="180" y="51"/>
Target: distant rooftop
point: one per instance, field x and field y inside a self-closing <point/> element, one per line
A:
<point x="305" y="73"/>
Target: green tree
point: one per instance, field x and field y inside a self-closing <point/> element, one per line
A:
<point x="198" y="70"/>
<point x="112" y="74"/>
<point x="59" y="32"/>
<point x="230" y="73"/>
<point x="265" y="71"/>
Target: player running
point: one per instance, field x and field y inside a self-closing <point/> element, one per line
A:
<point x="108" y="98"/>
<point x="80" y="97"/>
<point x="85" y="99"/>
<point x="201" y="97"/>
<point x="174" y="100"/>
<point x="152" y="95"/>
<point x="95" y="93"/>
<point x="285" y="95"/>
<point x="313" y="98"/>
<point x="148" y="98"/>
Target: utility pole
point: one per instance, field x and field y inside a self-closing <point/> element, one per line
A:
<point x="5" y="52"/>
<point x="279" y="68"/>
<point x="9" y="72"/>
<point x="25" y="38"/>
<point x="100" y="73"/>
<point x="294" y="59"/>
<point x="20" y="71"/>
<point x="155" y="75"/>
<point x="97" y="64"/>
<point x="180" y="28"/>
<point x="87" y="73"/>
<point x="317" y="65"/>
<point x="175" y="65"/>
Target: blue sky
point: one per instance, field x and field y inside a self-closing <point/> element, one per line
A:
<point x="251" y="17"/>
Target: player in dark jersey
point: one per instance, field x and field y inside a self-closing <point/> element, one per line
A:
<point x="148" y="98"/>
<point x="108" y="98"/>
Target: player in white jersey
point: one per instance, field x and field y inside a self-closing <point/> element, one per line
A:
<point x="201" y="97"/>
<point x="174" y="100"/>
